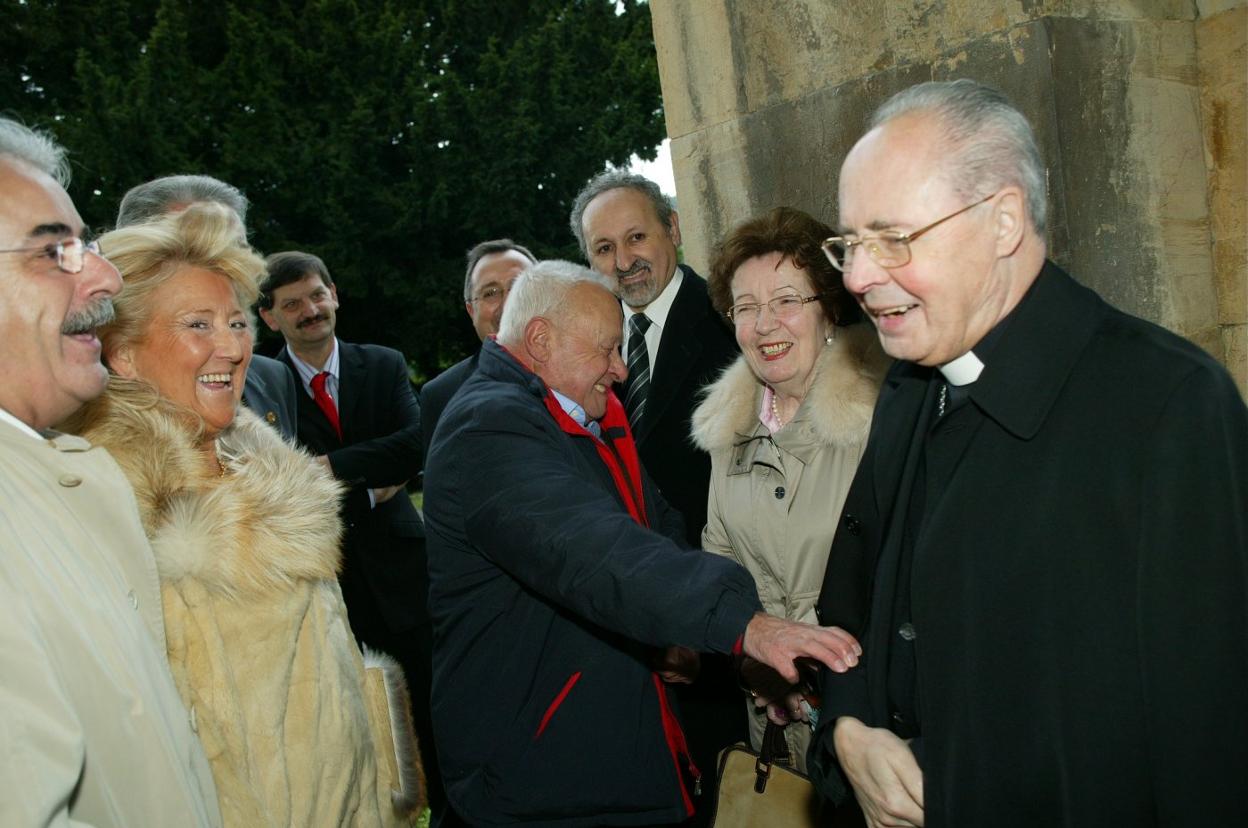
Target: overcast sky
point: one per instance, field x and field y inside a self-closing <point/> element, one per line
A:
<point x="659" y="170"/>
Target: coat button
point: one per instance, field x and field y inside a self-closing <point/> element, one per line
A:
<point x="779" y="493"/>
<point x="853" y="525"/>
<point x="906" y="631"/>
<point x="134" y="599"/>
<point x="270" y="417"/>
<point x="69" y="481"/>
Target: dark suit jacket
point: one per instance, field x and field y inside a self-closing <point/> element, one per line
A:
<point x="1079" y="591"/>
<point x="696" y="345"/>
<point x="381" y="446"/>
<point x="438" y="391"/>
<point x="270" y="392"/>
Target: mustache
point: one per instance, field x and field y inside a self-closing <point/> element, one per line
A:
<point x="89" y="318"/>
<point x="638" y="266"/>
<point x="312" y="320"/>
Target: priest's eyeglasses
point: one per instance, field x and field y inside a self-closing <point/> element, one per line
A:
<point x="70" y="254"/>
<point x="782" y="307"/>
<point x="888" y="249"/>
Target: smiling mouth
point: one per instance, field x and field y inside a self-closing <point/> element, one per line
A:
<point x="774" y="350"/>
<point x="216" y="380"/>
<point x="895" y="310"/>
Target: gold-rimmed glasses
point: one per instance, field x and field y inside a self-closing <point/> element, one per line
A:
<point x="887" y="249"/>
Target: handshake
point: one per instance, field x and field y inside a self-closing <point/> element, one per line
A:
<point x="773" y="647"/>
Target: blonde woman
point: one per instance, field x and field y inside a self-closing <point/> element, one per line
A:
<point x="245" y="531"/>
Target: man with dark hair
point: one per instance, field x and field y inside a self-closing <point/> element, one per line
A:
<point x="92" y="729"/>
<point x="492" y="267"/>
<point x="675" y="344"/>
<point x="269" y="389"/>
<point x="358" y="414"/>
<point x="1049" y="514"/>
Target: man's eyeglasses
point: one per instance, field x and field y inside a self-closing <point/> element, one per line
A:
<point x="492" y="295"/>
<point x="888" y="249"/>
<point x="782" y="307"/>
<point x="70" y="254"/>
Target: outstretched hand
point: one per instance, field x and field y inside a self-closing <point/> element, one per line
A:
<point x="778" y="643"/>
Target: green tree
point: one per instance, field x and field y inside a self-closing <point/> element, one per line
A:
<point x="387" y="137"/>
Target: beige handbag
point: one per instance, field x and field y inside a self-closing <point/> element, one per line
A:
<point x="763" y="790"/>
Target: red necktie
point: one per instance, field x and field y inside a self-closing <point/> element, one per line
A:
<point x="326" y="402"/>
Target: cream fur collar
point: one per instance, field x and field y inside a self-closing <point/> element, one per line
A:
<point x="839" y="406"/>
<point x="271" y="521"/>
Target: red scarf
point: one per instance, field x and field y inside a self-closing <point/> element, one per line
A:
<point x="620" y="458"/>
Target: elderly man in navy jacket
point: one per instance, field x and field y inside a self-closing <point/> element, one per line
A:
<point x="561" y="600"/>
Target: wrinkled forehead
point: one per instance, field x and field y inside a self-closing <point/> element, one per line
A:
<point x="894" y="172"/>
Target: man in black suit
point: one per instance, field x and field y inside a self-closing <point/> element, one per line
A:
<point x="492" y="266"/>
<point x="360" y="418"/>
<point x="675" y="344"/>
<point x="1048" y="518"/>
<point x="629" y="232"/>
<point x="270" y="386"/>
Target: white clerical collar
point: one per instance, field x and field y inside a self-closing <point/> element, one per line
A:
<point x="964" y="370"/>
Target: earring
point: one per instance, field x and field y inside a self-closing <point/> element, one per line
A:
<point x="831" y="336"/>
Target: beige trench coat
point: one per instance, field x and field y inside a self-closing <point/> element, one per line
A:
<point x="91" y="727"/>
<point x="775" y="500"/>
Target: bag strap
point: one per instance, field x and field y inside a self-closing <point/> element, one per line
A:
<point x="774" y="751"/>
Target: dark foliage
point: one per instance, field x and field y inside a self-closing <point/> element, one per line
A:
<point x="387" y="137"/>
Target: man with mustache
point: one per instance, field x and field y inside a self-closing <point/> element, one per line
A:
<point x="92" y="728"/>
<point x="674" y="345"/>
<point x="359" y="415"/>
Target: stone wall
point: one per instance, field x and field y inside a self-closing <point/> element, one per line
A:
<point x="1138" y="106"/>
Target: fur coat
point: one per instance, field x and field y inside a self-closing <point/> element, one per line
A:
<point x="776" y="499"/>
<point x="258" y="638"/>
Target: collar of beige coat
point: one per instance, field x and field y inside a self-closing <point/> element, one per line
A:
<point x="848" y="374"/>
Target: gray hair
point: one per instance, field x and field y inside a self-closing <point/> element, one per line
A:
<point x="489" y="248"/>
<point x="152" y="199"/>
<point x="542" y="290"/>
<point x="34" y="147"/>
<point x="614" y="180"/>
<point x="991" y="144"/>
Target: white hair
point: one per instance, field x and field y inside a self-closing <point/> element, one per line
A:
<point x="542" y="290"/>
<point x="35" y="148"/>
<point x="991" y="144"/>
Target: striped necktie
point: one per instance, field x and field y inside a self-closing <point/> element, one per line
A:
<point x="638" y="369"/>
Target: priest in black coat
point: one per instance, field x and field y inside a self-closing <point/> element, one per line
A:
<point x="1045" y="550"/>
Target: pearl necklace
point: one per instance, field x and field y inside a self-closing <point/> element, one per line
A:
<point x="775" y="412"/>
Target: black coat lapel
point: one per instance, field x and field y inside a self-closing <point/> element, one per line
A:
<point x="679" y="349"/>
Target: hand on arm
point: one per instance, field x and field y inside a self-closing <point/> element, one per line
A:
<point x="886" y="778"/>
<point x="778" y="643"/>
